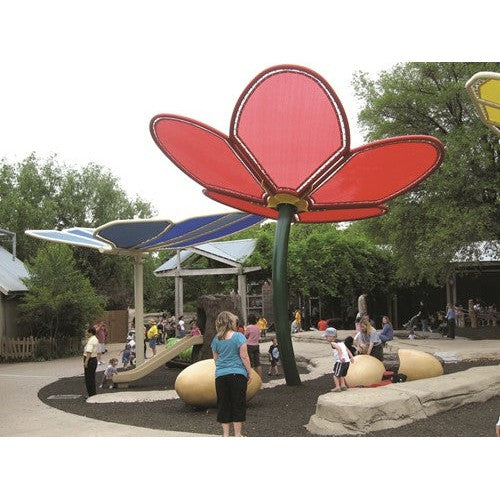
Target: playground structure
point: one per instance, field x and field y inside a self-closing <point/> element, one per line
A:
<point x="122" y="379"/>
<point x="366" y="370"/>
<point x="417" y="365"/>
<point x="484" y="89"/>
<point x="288" y="158"/>
<point x="138" y="237"/>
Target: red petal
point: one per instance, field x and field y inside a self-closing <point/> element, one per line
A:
<point x="291" y="124"/>
<point x="341" y="214"/>
<point x="205" y="155"/>
<point x="244" y="206"/>
<point x="380" y="171"/>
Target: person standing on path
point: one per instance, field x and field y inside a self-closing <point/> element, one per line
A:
<point x="252" y="333"/>
<point x="90" y="360"/>
<point x="274" y="357"/>
<point x="262" y="324"/>
<point x="298" y="320"/>
<point x="232" y="373"/>
<point x="181" y="328"/>
<point x="152" y="335"/>
<point x="101" y="333"/>
<point x="451" y="316"/>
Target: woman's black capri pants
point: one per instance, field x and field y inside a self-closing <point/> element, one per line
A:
<point x="231" y="398"/>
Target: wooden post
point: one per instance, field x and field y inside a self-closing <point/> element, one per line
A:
<point x="139" y="309"/>
<point x="242" y="291"/>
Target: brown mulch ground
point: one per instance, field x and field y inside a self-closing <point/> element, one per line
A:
<point x="276" y="412"/>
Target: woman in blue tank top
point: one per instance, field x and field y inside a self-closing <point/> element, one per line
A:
<point x="232" y="373"/>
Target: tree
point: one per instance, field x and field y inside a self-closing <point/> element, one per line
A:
<point x="456" y="205"/>
<point x="60" y="301"/>
<point x="43" y="194"/>
<point x="325" y="261"/>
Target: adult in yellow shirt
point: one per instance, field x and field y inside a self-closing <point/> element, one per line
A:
<point x="262" y="325"/>
<point x="298" y="320"/>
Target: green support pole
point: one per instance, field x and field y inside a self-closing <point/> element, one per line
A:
<point x="280" y="293"/>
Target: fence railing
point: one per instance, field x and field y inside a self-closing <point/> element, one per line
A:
<point x="31" y="348"/>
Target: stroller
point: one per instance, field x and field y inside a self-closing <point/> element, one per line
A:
<point x="411" y="325"/>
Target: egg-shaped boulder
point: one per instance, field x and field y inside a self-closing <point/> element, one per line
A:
<point x="417" y="364"/>
<point x="366" y="370"/>
<point x="195" y="385"/>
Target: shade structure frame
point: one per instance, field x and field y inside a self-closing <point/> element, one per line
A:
<point x="291" y="131"/>
<point x="108" y="247"/>
<point x="306" y="196"/>
<point x="303" y="217"/>
<point x="252" y="161"/>
<point x="472" y="86"/>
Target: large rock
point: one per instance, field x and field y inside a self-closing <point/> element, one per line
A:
<point x="359" y="411"/>
<point x="195" y="385"/>
<point x="209" y="308"/>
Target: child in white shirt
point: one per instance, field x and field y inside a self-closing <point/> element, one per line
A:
<point x="342" y="358"/>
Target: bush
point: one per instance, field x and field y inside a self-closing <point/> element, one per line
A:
<point x="60" y="301"/>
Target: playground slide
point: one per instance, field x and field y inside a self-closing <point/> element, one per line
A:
<point x="167" y="354"/>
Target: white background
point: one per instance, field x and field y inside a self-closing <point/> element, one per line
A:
<point x="82" y="80"/>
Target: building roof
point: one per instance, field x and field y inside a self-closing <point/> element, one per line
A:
<point x="11" y="272"/>
<point x="480" y="251"/>
<point x="236" y="251"/>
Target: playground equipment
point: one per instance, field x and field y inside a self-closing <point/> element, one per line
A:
<point x="288" y="157"/>
<point x="138" y="237"/>
<point x="417" y="364"/>
<point x="366" y="370"/>
<point x="122" y="379"/>
<point x="484" y="89"/>
<point x="195" y="385"/>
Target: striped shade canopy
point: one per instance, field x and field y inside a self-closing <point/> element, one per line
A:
<point x="140" y="235"/>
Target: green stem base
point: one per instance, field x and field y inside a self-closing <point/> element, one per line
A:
<point x="280" y="294"/>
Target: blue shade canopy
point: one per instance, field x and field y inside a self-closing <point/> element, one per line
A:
<point x="148" y="235"/>
<point x="130" y="233"/>
<point x="202" y="229"/>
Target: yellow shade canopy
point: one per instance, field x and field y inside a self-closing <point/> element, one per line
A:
<point x="484" y="88"/>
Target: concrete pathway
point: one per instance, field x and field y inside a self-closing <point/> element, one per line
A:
<point x="22" y="413"/>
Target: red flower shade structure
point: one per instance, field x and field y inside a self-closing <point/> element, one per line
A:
<point x="287" y="157"/>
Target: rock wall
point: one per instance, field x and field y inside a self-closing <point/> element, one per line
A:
<point x="211" y="306"/>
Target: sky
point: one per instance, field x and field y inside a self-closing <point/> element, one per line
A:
<point x="82" y="80"/>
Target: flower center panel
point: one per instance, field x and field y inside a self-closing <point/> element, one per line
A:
<point x="290" y="126"/>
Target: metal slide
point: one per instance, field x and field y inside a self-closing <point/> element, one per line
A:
<point x="169" y="353"/>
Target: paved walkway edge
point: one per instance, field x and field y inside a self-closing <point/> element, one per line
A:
<point x="360" y="411"/>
